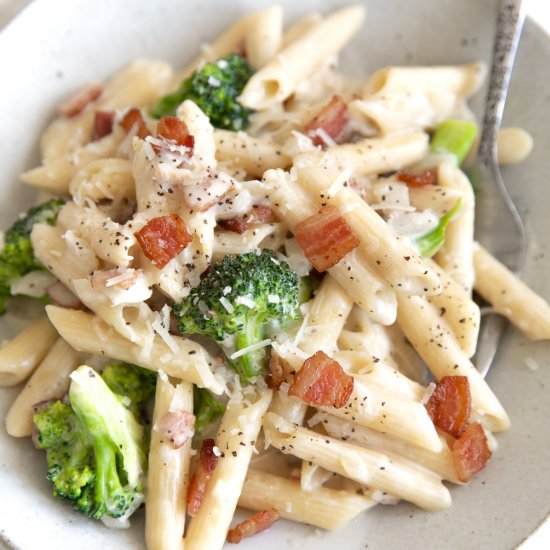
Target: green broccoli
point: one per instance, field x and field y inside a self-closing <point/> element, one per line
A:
<point x="214" y="88"/>
<point x="206" y="408"/>
<point x="95" y="448"/>
<point x="133" y="383"/>
<point x="236" y="300"/>
<point x="17" y="256"/>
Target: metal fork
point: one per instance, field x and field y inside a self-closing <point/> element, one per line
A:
<point x="498" y="224"/>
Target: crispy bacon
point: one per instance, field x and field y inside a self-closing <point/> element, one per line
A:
<point x="78" y="102"/>
<point x="174" y="129"/>
<point x="208" y="460"/>
<point x="322" y="382"/>
<point x="427" y="177"/>
<point x="470" y="452"/>
<point x="257" y="523"/>
<point x="177" y="427"/>
<point x="449" y="404"/>
<point x="260" y="213"/>
<point x="163" y="238"/>
<point x="103" y="124"/>
<point x="331" y="120"/>
<point x="325" y="238"/>
<point x="134" y="119"/>
<point x="276" y="374"/>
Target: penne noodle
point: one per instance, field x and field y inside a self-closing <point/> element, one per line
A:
<point x="255" y="155"/>
<point x="49" y="381"/>
<point x="322" y="507"/>
<point x="168" y="473"/>
<point x="263" y="39"/>
<point x="56" y="175"/>
<point x="301" y="58"/>
<point x="84" y="332"/>
<point x="456" y="254"/>
<point x="20" y="356"/>
<point x="367" y="467"/>
<point x="326" y="318"/>
<point x="236" y="439"/>
<point x="441" y="463"/>
<point x="399" y="98"/>
<point x="458" y="309"/>
<point x="379" y="155"/>
<point x="434" y="341"/>
<point x="510" y="296"/>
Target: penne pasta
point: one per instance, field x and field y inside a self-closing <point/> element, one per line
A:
<point x="20" y="356"/>
<point x="367" y="467"/>
<point x="510" y="296"/>
<point x="322" y="507"/>
<point x="434" y="341"/>
<point x="236" y="440"/>
<point x="301" y="58"/>
<point x="50" y="380"/>
<point x="84" y="332"/>
<point x="168" y="477"/>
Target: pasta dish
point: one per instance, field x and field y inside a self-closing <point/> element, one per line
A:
<point x="257" y="276"/>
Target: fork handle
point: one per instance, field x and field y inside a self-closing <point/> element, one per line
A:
<point x="511" y="14"/>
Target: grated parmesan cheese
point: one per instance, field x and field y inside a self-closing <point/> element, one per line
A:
<point x="160" y="326"/>
<point x="253" y="347"/>
<point x="226" y="290"/>
<point x="245" y="301"/>
<point x="342" y="177"/>
<point x="214" y="82"/>
<point x="273" y="299"/>
<point x="226" y="304"/>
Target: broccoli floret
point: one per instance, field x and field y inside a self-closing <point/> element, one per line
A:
<point x="214" y="88"/>
<point x="17" y="256"/>
<point x="95" y="448"/>
<point x="206" y="408"/>
<point x="133" y="383"/>
<point x="239" y="296"/>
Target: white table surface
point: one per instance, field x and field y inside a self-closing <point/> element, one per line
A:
<point x="539" y="10"/>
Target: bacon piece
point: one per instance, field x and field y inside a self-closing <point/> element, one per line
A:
<point x="331" y="120"/>
<point x="322" y="382"/>
<point x="118" y="276"/>
<point x="325" y="238"/>
<point x="177" y="427"/>
<point x="134" y="119"/>
<point x="208" y="192"/>
<point x="77" y="103"/>
<point x="427" y="177"/>
<point x="276" y="374"/>
<point x="103" y="124"/>
<point x="450" y="403"/>
<point x="470" y="452"/>
<point x="260" y="213"/>
<point x="257" y="523"/>
<point x="208" y="460"/>
<point x="163" y="238"/>
<point x="174" y="129"/>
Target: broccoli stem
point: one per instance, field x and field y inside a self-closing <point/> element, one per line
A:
<point x="110" y="496"/>
<point x="454" y="137"/>
<point x="251" y="364"/>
